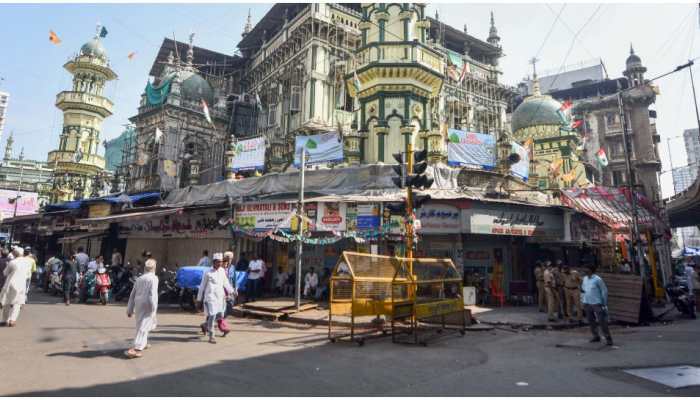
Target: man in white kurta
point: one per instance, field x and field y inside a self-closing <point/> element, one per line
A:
<point x="14" y="291"/>
<point x="212" y="292"/>
<point x="143" y="303"/>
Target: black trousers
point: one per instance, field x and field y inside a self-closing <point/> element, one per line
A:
<point x="597" y="316"/>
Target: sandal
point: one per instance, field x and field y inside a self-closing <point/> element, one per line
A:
<point x="133" y="353"/>
<point x="212" y="340"/>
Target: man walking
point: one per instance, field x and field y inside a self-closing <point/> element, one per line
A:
<point x="561" y="294"/>
<point x="205" y="261"/>
<point x="255" y="274"/>
<point x="143" y="302"/>
<point x="14" y="291"/>
<point x="595" y="302"/>
<point x="82" y="260"/>
<point x="550" y="289"/>
<point x="572" y="284"/>
<point x="539" y="280"/>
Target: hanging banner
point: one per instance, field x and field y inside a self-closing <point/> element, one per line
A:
<point x="331" y="217"/>
<point x="323" y="148"/>
<point x="521" y="169"/>
<point x="249" y="155"/>
<point x="367" y="216"/>
<point x="471" y="149"/>
<point x="439" y="218"/>
<point x="262" y="216"/>
<point x="27" y="203"/>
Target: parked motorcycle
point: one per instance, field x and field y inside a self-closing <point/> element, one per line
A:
<point x="87" y="286"/>
<point x="123" y="285"/>
<point x="103" y="284"/>
<point x="681" y="297"/>
<point x="168" y="292"/>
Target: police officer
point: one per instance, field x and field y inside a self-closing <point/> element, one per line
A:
<point x="572" y="284"/>
<point x="561" y="306"/>
<point x="550" y="290"/>
<point x="539" y="280"/>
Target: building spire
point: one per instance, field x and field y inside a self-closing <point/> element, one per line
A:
<point x="248" y="25"/>
<point x="493" y="38"/>
<point x="8" y="147"/>
<point x="631" y="49"/>
<point x="535" y="80"/>
<point x="190" y="51"/>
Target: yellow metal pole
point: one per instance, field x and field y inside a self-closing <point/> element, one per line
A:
<point x="658" y="290"/>
<point x="409" y="209"/>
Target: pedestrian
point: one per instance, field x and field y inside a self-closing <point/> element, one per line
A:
<point x="69" y="275"/>
<point x="82" y="259"/>
<point x="96" y="264"/>
<point x="595" y="302"/>
<point x="688" y="271"/>
<point x="212" y="295"/>
<point x="572" y="284"/>
<point x="204" y="261"/>
<point x="243" y="263"/>
<point x="539" y="281"/>
<point x="143" y="302"/>
<point x="550" y="288"/>
<point x="32" y="260"/>
<point x="255" y="273"/>
<point x="561" y="294"/>
<point x="280" y="279"/>
<point x="14" y="291"/>
<point x="117" y="258"/>
<point x="310" y="282"/>
<point x="4" y="260"/>
<point x="53" y="265"/>
<point x="289" y="288"/>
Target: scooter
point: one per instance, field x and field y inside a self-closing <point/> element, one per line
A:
<point x="103" y="284"/>
<point x="55" y="284"/>
<point x="168" y="292"/>
<point x="681" y="297"/>
<point x="87" y="286"/>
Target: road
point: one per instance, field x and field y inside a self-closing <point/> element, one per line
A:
<point x="78" y="351"/>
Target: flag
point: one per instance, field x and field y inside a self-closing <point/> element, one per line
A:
<point x="555" y="166"/>
<point x="452" y="73"/>
<point x="576" y="123"/>
<point x="570" y="176"/>
<point x="602" y="157"/>
<point x="131" y="55"/>
<point x="159" y="135"/>
<point x="566" y="105"/>
<point x="206" y="112"/>
<point x="258" y="102"/>
<point x="529" y="142"/>
<point x="463" y="74"/>
<point x="356" y="82"/>
<point x="103" y="32"/>
<point x="53" y="38"/>
<point x="78" y="155"/>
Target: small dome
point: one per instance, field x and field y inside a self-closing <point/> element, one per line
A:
<point x="536" y="110"/>
<point x="195" y="88"/>
<point x="633" y="60"/>
<point x="94" y="48"/>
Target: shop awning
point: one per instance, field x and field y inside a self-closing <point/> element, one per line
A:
<point x="75" y="238"/>
<point x="130" y="216"/>
<point x="613" y="207"/>
<point x="20" y="219"/>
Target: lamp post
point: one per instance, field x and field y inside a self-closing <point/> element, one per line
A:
<point x="300" y="244"/>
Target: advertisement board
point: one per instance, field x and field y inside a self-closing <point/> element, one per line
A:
<point x="204" y="225"/>
<point x="489" y="220"/>
<point x="331" y="217"/>
<point x="262" y="216"/>
<point x="521" y="169"/>
<point x="367" y="216"/>
<point x="439" y="218"/>
<point x="471" y="149"/>
<point x="28" y="203"/>
<point x="322" y="148"/>
<point x="249" y="155"/>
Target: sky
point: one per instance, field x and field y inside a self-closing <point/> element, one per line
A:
<point x="663" y="35"/>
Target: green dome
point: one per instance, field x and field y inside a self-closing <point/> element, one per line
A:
<point x="195" y="88"/>
<point x="93" y="48"/>
<point x="536" y="110"/>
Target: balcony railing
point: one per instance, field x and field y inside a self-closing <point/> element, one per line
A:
<point x="84" y="98"/>
<point x="67" y="156"/>
<point x="399" y="53"/>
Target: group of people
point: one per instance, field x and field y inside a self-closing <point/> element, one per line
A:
<point x="566" y="294"/>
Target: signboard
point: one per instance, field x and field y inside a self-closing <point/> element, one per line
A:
<point x="521" y="169"/>
<point x="437" y="308"/>
<point x="331" y="217"/>
<point x="489" y="220"/>
<point x="28" y="203"/>
<point x="99" y="210"/>
<point x="322" y="148"/>
<point x="439" y="218"/>
<point x="262" y="216"/>
<point x="367" y="216"/>
<point x="249" y="155"/>
<point x="205" y="225"/>
<point x="471" y="149"/>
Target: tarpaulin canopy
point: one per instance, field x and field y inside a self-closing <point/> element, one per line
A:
<point x="76" y="204"/>
<point x="612" y="206"/>
<point x="156" y="95"/>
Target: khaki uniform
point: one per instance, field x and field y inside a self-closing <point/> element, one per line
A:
<point x="561" y="308"/>
<point x="550" y="290"/>
<point x="572" y="286"/>
<point x="539" y="280"/>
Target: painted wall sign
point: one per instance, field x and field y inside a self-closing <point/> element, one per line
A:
<point x="176" y="226"/>
<point x="490" y="220"/>
<point x="439" y="218"/>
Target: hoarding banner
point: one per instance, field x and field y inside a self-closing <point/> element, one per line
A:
<point x="322" y="148"/>
<point x="28" y="203"/>
<point x="367" y="216"/>
<point x="477" y="150"/>
<point x="498" y="221"/>
<point x="249" y="154"/>
<point x="331" y="217"/>
<point x="439" y="218"/>
<point x="262" y="216"/>
<point x="521" y="169"/>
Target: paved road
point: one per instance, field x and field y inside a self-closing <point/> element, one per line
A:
<point x="76" y="351"/>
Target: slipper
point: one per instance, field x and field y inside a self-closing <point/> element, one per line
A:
<point x="148" y="346"/>
<point x="131" y="353"/>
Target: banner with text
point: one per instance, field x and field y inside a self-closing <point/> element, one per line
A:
<point x="331" y="217"/>
<point x="27" y="203"/>
<point x="521" y="169"/>
<point x="322" y="148"/>
<point x="262" y="216"/>
<point x="249" y="154"/>
<point x="471" y="149"/>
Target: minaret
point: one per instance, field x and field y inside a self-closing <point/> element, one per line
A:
<point x="8" y="147"/>
<point x="635" y="70"/>
<point x="84" y="108"/>
<point x="493" y="38"/>
<point x="248" y="25"/>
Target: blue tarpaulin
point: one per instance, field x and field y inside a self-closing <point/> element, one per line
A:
<point x="76" y="204"/>
<point x="241" y="278"/>
<point x="190" y="277"/>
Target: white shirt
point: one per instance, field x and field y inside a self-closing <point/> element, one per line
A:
<point x="211" y="290"/>
<point x="311" y="279"/>
<point x="143" y="302"/>
<point x="256" y="269"/>
<point x="281" y="279"/>
<point x="116" y="258"/>
<point x="16" y="274"/>
<point x="689" y="272"/>
<point x="94" y="266"/>
<point x="82" y="260"/>
<point x="204" y="262"/>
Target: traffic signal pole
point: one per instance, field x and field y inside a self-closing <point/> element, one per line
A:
<point x="409" y="210"/>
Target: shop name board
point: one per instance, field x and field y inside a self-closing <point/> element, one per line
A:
<point x="484" y="220"/>
<point x="183" y="226"/>
<point x="439" y="218"/>
<point x="262" y="216"/>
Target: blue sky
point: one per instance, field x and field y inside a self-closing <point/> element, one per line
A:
<point x="663" y="35"/>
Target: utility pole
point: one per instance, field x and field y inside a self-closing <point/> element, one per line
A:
<point x="16" y="200"/>
<point x="409" y="210"/>
<point x="695" y="100"/>
<point x="300" y="221"/>
<point x="631" y="185"/>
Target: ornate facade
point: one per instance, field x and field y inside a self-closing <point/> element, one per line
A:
<point x="77" y="168"/>
<point x="18" y="173"/>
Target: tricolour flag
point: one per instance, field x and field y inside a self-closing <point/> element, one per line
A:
<point x="53" y="38"/>
<point x="602" y="157"/>
<point x="576" y="123"/>
<point x="463" y="73"/>
<point x="205" y="108"/>
<point x="356" y="82"/>
<point x="131" y="55"/>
